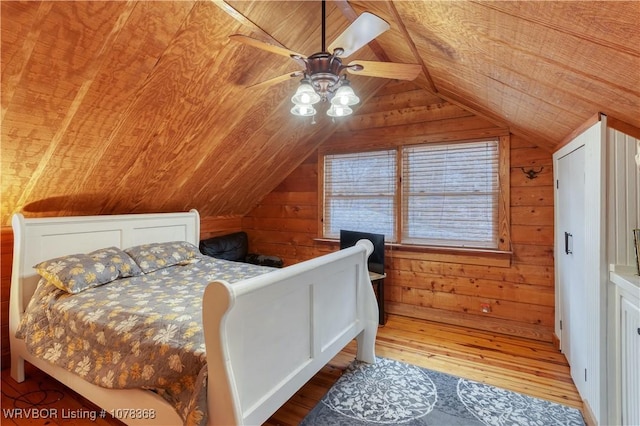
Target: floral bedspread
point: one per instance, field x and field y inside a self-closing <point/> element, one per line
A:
<point x="139" y="332"/>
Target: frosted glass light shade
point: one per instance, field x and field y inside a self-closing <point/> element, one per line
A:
<point x="305" y="95"/>
<point x="339" y="111"/>
<point x="303" y="110"/>
<point x="345" y="96"/>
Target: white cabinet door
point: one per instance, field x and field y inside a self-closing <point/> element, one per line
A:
<point x="580" y="262"/>
<point x="630" y="361"/>
<point x="571" y="261"/>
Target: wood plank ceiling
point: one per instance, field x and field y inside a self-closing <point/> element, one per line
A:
<point x="139" y="106"/>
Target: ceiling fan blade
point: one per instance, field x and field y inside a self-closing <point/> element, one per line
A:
<point x="393" y="70"/>
<point x="277" y="79"/>
<point x="361" y="31"/>
<point x="265" y="46"/>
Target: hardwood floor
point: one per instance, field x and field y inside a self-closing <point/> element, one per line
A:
<point x="522" y="365"/>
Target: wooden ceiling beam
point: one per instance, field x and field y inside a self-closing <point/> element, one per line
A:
<point x="430" y="83"/>
<point x="414" y="50"/>
<point x="452" y="98"/>
<point x="351" y="15"/>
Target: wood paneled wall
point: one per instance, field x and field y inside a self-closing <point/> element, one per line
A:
<point x="6" y="259"/>
<point x="209" y="227"/>
<point x="451" y="290"/>
<point x="214" y="226"/>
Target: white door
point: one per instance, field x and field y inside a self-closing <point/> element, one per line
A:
<point x="571" y="261"/>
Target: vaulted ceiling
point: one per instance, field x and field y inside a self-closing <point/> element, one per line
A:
<point x="138" y="106"/>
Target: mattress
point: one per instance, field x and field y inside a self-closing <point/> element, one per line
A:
<point x="138" y="332"/>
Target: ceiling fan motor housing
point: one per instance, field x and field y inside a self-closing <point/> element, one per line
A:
<point x="323" y="70"/>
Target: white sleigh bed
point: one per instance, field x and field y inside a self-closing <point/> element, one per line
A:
<point x="265" y="336"/>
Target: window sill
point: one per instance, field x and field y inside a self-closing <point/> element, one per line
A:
<point x="484" y="257"/>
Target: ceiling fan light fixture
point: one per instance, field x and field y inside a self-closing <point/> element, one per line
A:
<point x="339" y="111"/>
<point x="303" y="110"/>
<point x="345" y="96"/>
<point x="324" y="78"/>
<point x="305" y="94"/>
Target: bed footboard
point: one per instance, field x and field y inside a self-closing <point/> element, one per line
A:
<point x="267" y="336"/>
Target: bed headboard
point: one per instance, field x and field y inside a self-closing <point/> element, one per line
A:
<point x="40" y="239"/>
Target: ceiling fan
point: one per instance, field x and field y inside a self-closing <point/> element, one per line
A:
<point x="323" y="74"/>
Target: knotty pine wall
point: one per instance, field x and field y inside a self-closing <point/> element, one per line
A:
<point x="209" y="227"/>
<point x="6" y="258"/>
<point x="448" y="289"/>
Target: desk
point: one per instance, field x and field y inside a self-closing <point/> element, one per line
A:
<point x="378" y="280"/>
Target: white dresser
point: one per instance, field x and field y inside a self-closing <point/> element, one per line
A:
<point x="625" y="362"/>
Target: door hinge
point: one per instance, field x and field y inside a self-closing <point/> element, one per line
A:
<point x="560" y="324"/>
<point x="585" y="374"/>
<point x="557" y="184"/>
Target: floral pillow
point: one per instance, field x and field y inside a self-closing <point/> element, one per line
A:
<point x="154" y="256"/>
<point x="124" y="264"/>
<point x="77" y="272"/>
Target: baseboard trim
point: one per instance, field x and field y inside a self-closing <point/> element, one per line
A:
<point x="587" y="413"/>
<point x="556" y="341"/>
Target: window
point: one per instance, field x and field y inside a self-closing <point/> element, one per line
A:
<point x="359" y="193"/>
<point x="449" y="194"/>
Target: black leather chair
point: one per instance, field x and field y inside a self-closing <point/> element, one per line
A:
<point x="235" y="247"/>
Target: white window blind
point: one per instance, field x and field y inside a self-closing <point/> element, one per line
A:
<point x="359" y="193"/>
<point x="450" y="194"/>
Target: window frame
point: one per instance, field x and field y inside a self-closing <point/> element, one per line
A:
<point x="503" y="226"/>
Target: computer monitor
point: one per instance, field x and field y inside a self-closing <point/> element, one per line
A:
<point x="376" y="259"/>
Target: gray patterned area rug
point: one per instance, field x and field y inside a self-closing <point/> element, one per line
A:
<point x="393" y="393"/>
